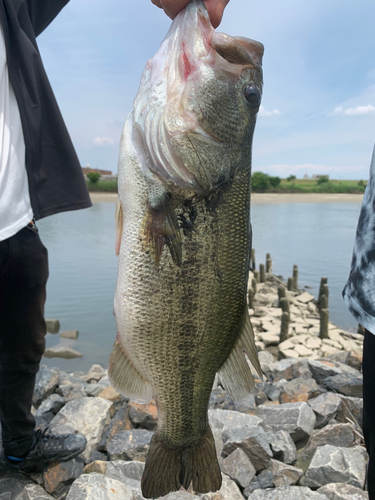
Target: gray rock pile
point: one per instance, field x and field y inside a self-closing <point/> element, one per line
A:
<point x="298" y="436"/>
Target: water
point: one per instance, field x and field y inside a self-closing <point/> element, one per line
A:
<point x="318" y="237"/>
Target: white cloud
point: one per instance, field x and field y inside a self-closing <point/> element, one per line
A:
<point x="103" y="142"/>
<point x="359" y="110"/>
<point x="264" y="112"/>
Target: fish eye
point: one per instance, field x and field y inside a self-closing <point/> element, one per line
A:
<point x="252" y="95"/>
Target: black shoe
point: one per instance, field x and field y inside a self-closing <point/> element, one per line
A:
<point x="46" y="449"/>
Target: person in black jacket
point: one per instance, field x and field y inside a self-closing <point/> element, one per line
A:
<point x="40" y="175"/>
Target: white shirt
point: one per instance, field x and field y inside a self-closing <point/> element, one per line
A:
<point x="15" y="206"/>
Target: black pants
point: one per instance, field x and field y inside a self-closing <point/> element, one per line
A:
<point x="23" y="278"/>
<point x="368" y="367"/>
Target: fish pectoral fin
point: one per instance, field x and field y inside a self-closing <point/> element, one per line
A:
<point x="118" y="222"/>
<point x="125" y="378"/>
<point x="235" y="374"/>
<point x="160" y="227"/>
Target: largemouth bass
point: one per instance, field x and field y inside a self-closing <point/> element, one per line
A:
<point x="184" y="241"/>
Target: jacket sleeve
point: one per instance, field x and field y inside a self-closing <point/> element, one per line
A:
<point x="42" y="12"/>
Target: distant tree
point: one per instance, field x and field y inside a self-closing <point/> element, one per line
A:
<point x="93" y="177"/>
<point x="361" y="183"/>
<point x="260" y="181"/>
<point x="274" y="181"/>
<point x="322" y="179"/>
<point x="291" y="178"/>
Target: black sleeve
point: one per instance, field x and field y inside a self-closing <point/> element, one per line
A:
<point x="42" y="12"/>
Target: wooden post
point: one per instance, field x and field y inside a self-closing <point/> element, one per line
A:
<point x="262" y="274"/>
<point x="254" y="285"/>
<point x="250" y="298"/>
<point x="281" y="292"/>
<point x="252" y="261"/>
<point x="290" y="284"/>
<point x="284" y="304"/>
<point x="284" y="332"/>
<point x="323" y="282"/>
<point x="268" y="263"/>
<point x="295" y="277"/>
<point x="324" y="313"/>
<point x="256" y="276"/>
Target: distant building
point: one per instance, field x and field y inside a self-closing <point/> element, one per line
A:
<point x="316" y="176"/>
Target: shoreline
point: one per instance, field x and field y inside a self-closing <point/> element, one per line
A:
<point x="266" y="198"/>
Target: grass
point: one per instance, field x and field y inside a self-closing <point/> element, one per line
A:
<point x="102" y="186"/>
<point x="312" y="186"/>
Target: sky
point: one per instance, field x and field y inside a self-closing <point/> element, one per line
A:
<point x="318" y="106"/>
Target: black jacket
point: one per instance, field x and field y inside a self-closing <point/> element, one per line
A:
<point x="56" y="182"/>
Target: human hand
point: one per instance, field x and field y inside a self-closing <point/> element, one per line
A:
<point x="215" y="8"/>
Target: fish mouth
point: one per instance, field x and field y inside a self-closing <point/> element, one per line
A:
<point x="238" y="50"/>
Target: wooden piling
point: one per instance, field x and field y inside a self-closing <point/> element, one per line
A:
<point x="250" y="298"/>
<point x="291" y="284"/>
<point x="268" y="263"/>
<point x="323" y="282"/>
<point x="262" y="273"/>
<point x="323" y="307"/>
<point x="252" y="261"/>
<point x="254" y="285"/>
<point x="256" y="276"/>
<point x="284" y="332"/>
<point x="284" y="304"/>
<point x="295" y="277"/>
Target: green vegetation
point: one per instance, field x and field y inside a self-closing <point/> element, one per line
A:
<point x="261" y="183"/>
<point x="93" y="177"/>
<point x="102" y="186"/>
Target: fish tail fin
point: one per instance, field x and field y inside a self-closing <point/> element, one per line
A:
<point x="168" y="469"/>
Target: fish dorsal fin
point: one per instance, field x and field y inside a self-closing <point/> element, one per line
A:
<point x="235" y="374"/>
<point x="125" y="378"/>
<point x="118" y="222"/>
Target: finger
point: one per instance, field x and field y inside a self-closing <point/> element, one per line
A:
<point x="215" y="10"/>
<point x="157" y="3"/>
<point x="173" y="7"/>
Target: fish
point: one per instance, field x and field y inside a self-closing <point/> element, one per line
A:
<point x="184" y="242"/>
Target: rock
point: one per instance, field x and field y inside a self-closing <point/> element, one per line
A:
<point x="220" y="400"/>
<point x="247" y="405"/>
<point x="45" y="383"/>
<point x="332" y="464"/>
<point x="253" y="441"/>
<point x="351" y="408"/>
<point x="109" y="393"/>
<point x="87" y="416"/>
<point x="52" y="404"/>
<point x="129" y="445"/>
<point x="88" y="486"/>
<point x="339" y="435"/>
<point x="305" y="298"/>
<point x="99" y="466"/>
<point x="340" y="491"/>
<point x="289" y="369"/>
<point x="120" y="422"/>
<point x="228" y="490"/>
<point x="145" y="415"/>
<point x="15" y="486"/>
<point x="239" y="467"/>
<point x="313" y="342"/>
<point x="70" y="393"/>
<point x="121" y="469"/>
<point x="345" y="383"/>
<point x="296" y="418"/>
<point x="61" y="351"/>
<point x="299" y="389"/>
<point x="218" y="419"/>
<point x="322" y="369"/>
<point x="94" y="390"/>
<point x="287" y="493"/>
<point x="283" y="474"/>
<point x="282" y="446"/>
<point x="70" y="334"/>
<point x="263" y="481"/>
<point x="326" y="406"/>
<point x="355" y="359"/>
<point x="95" y="373"/>
<point x="98" y="455"/>
<point x="59" y="477"/>
<point x="180" y="495"/>
<point x="269" y="338"/>
<point x="53" y="325"/>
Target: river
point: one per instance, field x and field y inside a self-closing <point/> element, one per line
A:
<point x="318" y="237"/>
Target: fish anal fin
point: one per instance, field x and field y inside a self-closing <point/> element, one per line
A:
<point x="118" y="222"/>
<point x="125" y="378"/>
<point x="235" y="374"/>
<point x="160" y="228"/>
